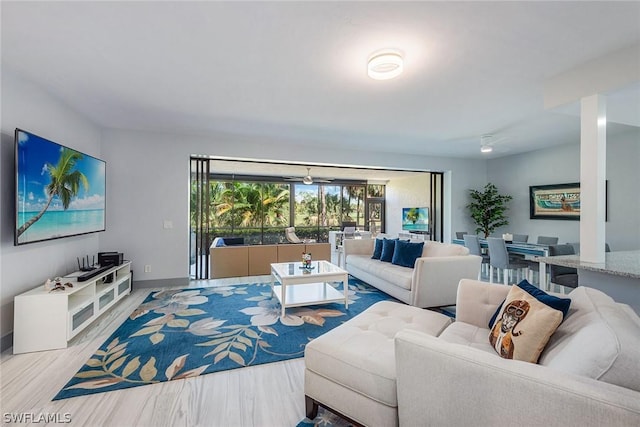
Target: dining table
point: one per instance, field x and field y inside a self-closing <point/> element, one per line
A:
<point x="532" y="250"/>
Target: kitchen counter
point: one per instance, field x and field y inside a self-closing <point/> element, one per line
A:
<point x="622" y="263"/>
<point x="618" y="276"/>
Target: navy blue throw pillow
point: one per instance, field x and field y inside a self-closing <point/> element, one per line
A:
<point x="561" y="304"/>
<point x="388" y="246"/>
<point x="377" y="250"/>
<point x="405" y="253"/>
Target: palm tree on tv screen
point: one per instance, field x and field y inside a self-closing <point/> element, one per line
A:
<point x="65" y="183"/>
<point x="413" y="215"/>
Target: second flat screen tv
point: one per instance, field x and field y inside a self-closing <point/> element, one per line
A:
<point x="60" y="192"/>
<point x="415" y="219"/>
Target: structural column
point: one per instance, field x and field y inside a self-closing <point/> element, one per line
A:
<point x="593" y="163"/>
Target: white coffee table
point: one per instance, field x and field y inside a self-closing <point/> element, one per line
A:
<point x="299" y="286"/>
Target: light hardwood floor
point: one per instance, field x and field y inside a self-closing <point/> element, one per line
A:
<point x="263" y="395"/>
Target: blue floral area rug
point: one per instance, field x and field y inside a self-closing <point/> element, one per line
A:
<point x="183" y="333"/>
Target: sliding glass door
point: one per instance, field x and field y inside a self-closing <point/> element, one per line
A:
<point x="256" y="209"/>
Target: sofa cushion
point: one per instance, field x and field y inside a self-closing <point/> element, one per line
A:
<point x="524" y="326"/>
<point x="599" y="339"/>
<point x="388" y="247"/>
<point x="406" y="253"/>
<point x="399" y="276"/>
<point x="468" y="335"/>
<point x="432" y="248"/>
<point x="360" y="354"/>
<point x="377" y="249"/>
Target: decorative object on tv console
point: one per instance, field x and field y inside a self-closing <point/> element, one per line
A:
<point x="415" y="219"/>
<point x="60" y="192"/>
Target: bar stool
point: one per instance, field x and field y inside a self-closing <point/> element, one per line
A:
<point x="566" y="277"/>
<point x="576" y="247"/>
<point x="534" y="266"/>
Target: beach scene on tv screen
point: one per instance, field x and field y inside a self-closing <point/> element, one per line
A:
<point x="415" y="219"/>
<point x="60" y="191"/>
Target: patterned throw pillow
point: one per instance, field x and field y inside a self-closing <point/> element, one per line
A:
<point x="525" y="324"/>
<point x="561" y="304"/>
<point x="377" y="250"/>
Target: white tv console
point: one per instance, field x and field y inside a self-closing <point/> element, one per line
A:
<point x="45" y="320"/>
<point x="414" y="237"/>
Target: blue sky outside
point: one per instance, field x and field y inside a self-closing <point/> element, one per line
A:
<point x="34" y="153"/>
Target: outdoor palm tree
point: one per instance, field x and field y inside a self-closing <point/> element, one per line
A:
<point x="65" y="183"/>
<point x="275" y="198"/>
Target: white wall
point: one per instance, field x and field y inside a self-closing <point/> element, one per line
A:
<point x="622" y="230"/>
<point x="148" y="183"/>
<point x="405" y="193"/>
<point x="514" y="174"/>
<point x="24" y="267"/>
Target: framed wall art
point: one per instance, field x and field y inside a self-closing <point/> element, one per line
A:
<point x="558" y="201"/>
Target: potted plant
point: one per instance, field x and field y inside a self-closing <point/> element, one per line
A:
<point x="488" y="209"/>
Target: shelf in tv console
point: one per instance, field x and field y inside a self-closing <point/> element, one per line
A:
<point x="45" y="320"/>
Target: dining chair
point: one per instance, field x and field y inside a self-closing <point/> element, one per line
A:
<point x="520" y="238"/>
<point x="472" y="243"/>
<point x="499" y="258"/>
<point x="546" y="240"/>
<point x="346" y="224"/>
<point x="560" y="275"/>
<point x="349" y="232"/>
<point x="460" y="234"/>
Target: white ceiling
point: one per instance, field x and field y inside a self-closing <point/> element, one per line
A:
<point x="296" y="71"/>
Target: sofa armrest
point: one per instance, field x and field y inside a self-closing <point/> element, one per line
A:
<point x="435" y="279"/>
<point x="440" y="383"/>
<point x="477" y="301"/>
<point x="358" y="247"/>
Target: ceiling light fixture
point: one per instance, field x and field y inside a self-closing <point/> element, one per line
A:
<point x="385" y="64"/>
<point x="485" y="143"/>
<point x="486" y="149"/>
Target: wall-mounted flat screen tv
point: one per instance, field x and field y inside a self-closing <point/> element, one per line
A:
<point x="60" y="191"/>
<point x="415" y="219"/>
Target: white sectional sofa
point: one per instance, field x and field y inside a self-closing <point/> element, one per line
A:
<point x="396" y="365"/>
<point x="431" y="283"/>
<point x="588" y="374"/>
